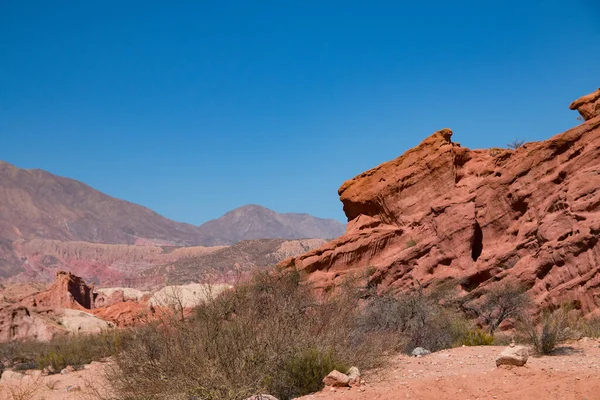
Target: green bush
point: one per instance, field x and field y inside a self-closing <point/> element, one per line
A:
<point x="306" y="369"/>
<point x="476" y="337"/>
<point x="61" y="351"/>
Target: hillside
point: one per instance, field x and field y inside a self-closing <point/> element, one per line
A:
<point x="38" y="204"/>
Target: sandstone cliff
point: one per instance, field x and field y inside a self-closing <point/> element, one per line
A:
<point x="442" y="212"/>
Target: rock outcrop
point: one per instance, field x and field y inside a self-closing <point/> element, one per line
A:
<point x="58" y="310"/>
<point x="68" y="291"/>
<point x="588" y="105"/>
<point x="445" y="213"/>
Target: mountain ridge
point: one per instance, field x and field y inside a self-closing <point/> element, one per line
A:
<point x="37" y="206"/>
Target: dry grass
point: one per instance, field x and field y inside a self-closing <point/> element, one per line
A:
<point x="544" y="335"/>
<point x="62" y="351"/>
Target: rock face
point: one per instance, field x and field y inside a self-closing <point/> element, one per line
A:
<point x="445" y="213"/>
<point x="58" y="310"/>
<point x="513" y="356"/>
<point x="588" y="106"/>
<point x="68" y="291"/>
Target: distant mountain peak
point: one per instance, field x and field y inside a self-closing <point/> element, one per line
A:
<point x="253" y="221"/>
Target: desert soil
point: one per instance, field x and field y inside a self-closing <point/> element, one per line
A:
<point x="468" y="373"/>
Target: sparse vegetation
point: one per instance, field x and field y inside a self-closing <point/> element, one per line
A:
<point x="60" y="352"/>
<point x="418" y="318"/>
<point x="269" y="335"/>
<point x="273" y="335"/>
<point x="515" y="144"/>
<point x="551" y="330"/>
<point x="503" y="301"/>
<point x="411" y="243"/>
<point x="494" y="151"/>
<point x="476" y="337"/>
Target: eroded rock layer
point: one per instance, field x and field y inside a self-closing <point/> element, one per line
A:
<point x="442" y="212"/>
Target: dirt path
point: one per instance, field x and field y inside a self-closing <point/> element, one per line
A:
<point x="470" y="373"/>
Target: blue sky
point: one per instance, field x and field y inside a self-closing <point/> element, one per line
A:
<point x="195" y="108"/>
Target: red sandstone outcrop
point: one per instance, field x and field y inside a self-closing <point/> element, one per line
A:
<point x="58" y="310"/>
<point x="588" y="105"/>
<point x="68" y="291"/>
<point x="443" y="212"/>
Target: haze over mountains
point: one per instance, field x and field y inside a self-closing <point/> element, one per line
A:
<point x="39" y="210"/>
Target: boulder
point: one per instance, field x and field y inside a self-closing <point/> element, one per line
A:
<point x="354" y="376"/>
<point x="336" y="379"/>
<point x="262" y="397"/>
<point x="9" y="375"/>
<point x="513" y="356"/>
<point x="420" y="352"/>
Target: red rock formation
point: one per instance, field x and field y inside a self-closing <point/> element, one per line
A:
<point x="443" y="212"/>
<point x="126" y="314"/>
<point x="588" y="106"/>
<point x="68" y="291"/>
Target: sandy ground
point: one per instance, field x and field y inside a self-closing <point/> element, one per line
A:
<point x="86" y="384"/>
<point x="470" y="373"/>
<point x="466" y="373"/>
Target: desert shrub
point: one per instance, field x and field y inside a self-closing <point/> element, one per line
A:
<point x="269" y="335"/>
<point x="306" y="369"/>
<point x="60" y="352"/>
<point x="545" y="335"/>
<point x="416" y="318"/>
<point x="588" y="328"/>
<point x="503" y="301"/>
<point x="79" y="350"/>
<point x="515" y="144"/>
<point x="411" y="243"/>
<point x="476" y="337"/>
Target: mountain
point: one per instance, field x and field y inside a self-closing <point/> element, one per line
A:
<point x="442" y="214"/>
<point x="257" y="222"/>
<point x="48" y="222"/>
<point x="37" y="204"/>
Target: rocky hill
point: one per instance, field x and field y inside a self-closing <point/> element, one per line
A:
<point x="445" y="213"/>
<point x="256" y="222"/>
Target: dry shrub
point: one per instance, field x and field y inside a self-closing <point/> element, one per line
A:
<point x="418" y="319"/>
<point x="544" y="335"/>
<point x="270" y="335"/>
<point x="502" y="302"/>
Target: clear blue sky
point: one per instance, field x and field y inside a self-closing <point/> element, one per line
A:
<point x="195" y="108"/>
